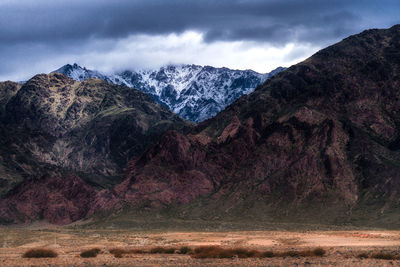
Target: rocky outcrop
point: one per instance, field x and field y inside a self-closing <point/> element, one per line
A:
<point x="323" y="133"/>
<point x="7" y="90"/>
<point x="317" y="143"/>
<point x="92" y="126"/>
<point x="54" y="128"/>
<point x="58" y="200"/>
<point x="176" y="179"/>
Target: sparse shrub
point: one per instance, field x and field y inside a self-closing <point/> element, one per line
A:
<point x="362" y="255"/>
<point x="91" y="253"/>
<point x="218" y="252"/>
<point x="40" y="253"/>
<point x="185" y="250"/>
<point x="267" y="254"/>
<point x="157" y="250"/>
<point x="204" y="249"/>
<point x="245" y="253"/>
<point x="224" y="254"/>
<point x="169" y="250"/>
<point x="319" y="252"/>
<point x="384" y="256"/>
<point x="118" y="255"/>
<point x="210" y="252"/>
<point x="291" y="253"/>
<point x="161" y="250"/>
<point x="137" y="251"/>
<point x="118" y="252"/>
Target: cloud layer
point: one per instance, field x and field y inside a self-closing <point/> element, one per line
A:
<point x="37" y="36"/>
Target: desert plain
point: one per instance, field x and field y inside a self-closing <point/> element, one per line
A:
<point x="342" y="247"/>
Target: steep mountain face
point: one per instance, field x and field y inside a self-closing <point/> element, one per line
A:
<point x="194" y="92"/>
<point x="9" y="175"/>
<point x="114" y="122"/>
<point x="53" y="127"/>
<point x="59" y="200"/>
<point x="7" y="90"/>
<point x="317" y="142"/>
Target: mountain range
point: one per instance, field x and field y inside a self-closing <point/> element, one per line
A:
<point x="317" y="143"/>
<point x="53" y="127"/>
<point x="194" y="92"/>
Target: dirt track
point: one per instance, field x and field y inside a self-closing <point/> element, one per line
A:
<point x="342" y="247"/>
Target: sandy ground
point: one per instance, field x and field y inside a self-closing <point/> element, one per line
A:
<point x="341" y="246"/>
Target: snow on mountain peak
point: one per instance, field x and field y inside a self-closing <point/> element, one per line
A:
<point x="194" y="92"/>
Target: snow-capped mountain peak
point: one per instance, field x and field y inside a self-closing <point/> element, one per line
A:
<point x="192" y="91"/>
<point x="77" y="72"/>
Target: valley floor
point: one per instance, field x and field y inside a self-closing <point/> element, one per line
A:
<point x="342" y="247"/>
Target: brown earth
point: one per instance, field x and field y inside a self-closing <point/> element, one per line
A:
<point x="342" y="247"/>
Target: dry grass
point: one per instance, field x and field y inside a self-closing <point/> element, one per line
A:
<point x="219" y="252"/>
<point x="185" y="250"/>
<point x="136" y="251"/>
<point x="211" y="252"/>
<point x="204" y="252"/>
<point x="162" y="250"/>
<point x="343" y="248"/>
<point x="267" y="254"/>
<point x="91" y="253"/>
<point x="40" y="253"/>
<point x="384" y="256"/>
<point x="317" y="252"/>
<point x="119" y="252"/>
<point x="362" y="255"/>
<point x="378" y="256"/>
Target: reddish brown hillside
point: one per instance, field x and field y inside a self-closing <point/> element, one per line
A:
<point x="324" y="133"/>
<point x="319" y="142"/>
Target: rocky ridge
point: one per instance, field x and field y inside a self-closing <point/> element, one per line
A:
<point x="317" y="143"/>
<point x="194" y="92"/>
<point x="53" y="127"/>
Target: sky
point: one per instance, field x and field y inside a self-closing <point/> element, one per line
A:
<point x="39" y="36"/>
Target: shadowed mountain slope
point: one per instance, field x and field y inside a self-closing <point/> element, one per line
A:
<point x="319" y="142"/>
<point x="53" y="125"/>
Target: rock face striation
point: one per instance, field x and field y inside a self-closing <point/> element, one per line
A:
<point x="318" y="142"/>
<point x="53" y="127"/>
<point x="194" y="92"/>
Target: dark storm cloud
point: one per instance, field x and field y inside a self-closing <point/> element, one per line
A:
<point x="270" y="21"/>
<point x="40" y="31"/>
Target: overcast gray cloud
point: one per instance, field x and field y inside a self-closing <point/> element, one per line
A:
<point x="42" y="34"/>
